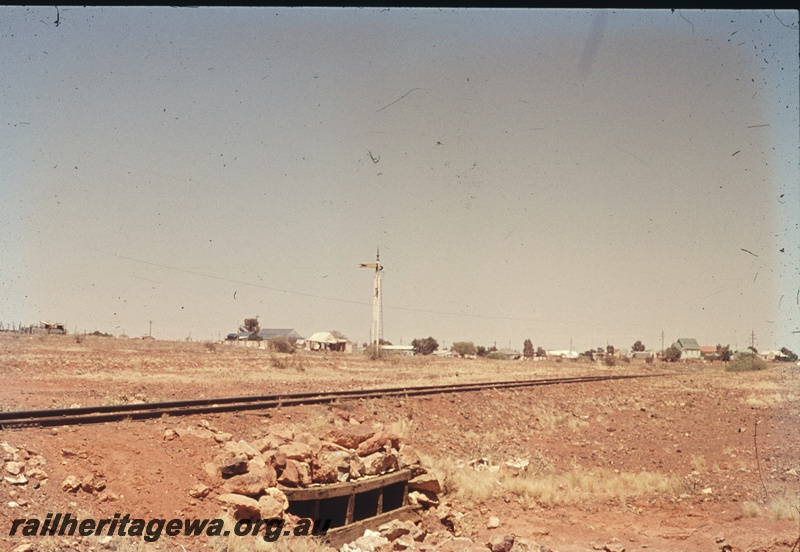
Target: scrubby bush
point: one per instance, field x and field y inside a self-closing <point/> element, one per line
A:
<point x="672" y="354"/>
<point x="746" y="363"/>
<point x="494" y="355"/>
<point x="610" y="360"/>
<point x="464" y="348"/>
<point x="280" y="344"/>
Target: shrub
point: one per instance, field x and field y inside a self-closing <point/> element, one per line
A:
<point x="672" y="354"/>
<point x="494" y="355"/>
<point x="746" y="363"/>
<point x="464" y="348"/>
<point x="280" y="344"/>
<point x="610" y="360"/>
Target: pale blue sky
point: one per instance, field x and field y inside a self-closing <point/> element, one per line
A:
<point x="552" y="175"/>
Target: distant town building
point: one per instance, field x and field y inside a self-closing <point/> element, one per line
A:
<point x="689" y="348"/>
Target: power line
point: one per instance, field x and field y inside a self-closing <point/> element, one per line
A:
<point x="312" y="295"/>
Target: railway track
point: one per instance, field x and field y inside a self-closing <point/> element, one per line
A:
<point x="102" y="414"/>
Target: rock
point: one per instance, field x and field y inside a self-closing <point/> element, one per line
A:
<point x="380" y="462"/>
<point x="199" y="491"/>
<point x="281" y="431"/>
<point x="460" y="544"/>
<point x="422" y="498"/>
<point x="305" y="473"/>
<point x="331" y="447"/>
<point x="223" y="437"/>
<point x="270" y="508"/>
<point x="36" y="473"/>
<point x="524" y="545"/>
<point x="242" y="507"/>
<point x="279" y="497"/>
<point x="241" y="448"/>
<point x="395" y="529"/>
<point x="707" y="491"/>
<point x="25" y="547"/>
<point x="613" y="547"/>
<point x="426" y="482"/>
<point x="407" y="457"/>
<point x="356" y="467"/>
<point x="494" y="522"/>
<point x="14" y="468"/>
<point x="70" y="484"/>
<point x="256" y="463"/>
<point x="500" y="543"/>
<point x="169" y="435"/>
<point x="331" y="467"/>
<point x="311" y="440"/>
<point x="247" y="484"/>
<point x="233" y="465"/>
<point x="270" y="442"/>
<point x="87" y="484"/>
<point x="430" y="523"/>
<point x="8" y="448"/>
<point x="350" y="436"/>
<point x="296" y="451"/>
<point x="274" y="458"/>
<point x="289" y="477"/>
<point x="378" y="442"/>
<point x="371" y="541"/>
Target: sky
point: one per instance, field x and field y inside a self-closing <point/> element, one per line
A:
<point x="574" y="177"/>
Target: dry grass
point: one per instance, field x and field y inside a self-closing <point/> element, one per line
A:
<point x="541" y="485"/>
<point x="786" y="506"/>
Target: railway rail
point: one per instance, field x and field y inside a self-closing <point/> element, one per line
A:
<point x="102" y="414"/>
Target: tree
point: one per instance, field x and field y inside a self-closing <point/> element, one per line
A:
<point x="672" y="354"/>
<point x="638" y="347"/>
<point x="425" y="346"/>
<point x="464" y="348"/>
<point x="610" y="350"/>
<point x="787" y="355"/>
<point x="338" y="335"/>
<point x="724" y="353"/>
<point x="540" y="352"/>
<point x="481" y="351"/>
<point x="527" y="349"/>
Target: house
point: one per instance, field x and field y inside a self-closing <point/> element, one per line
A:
<point x="53" y="327"/>
<point x="689" y="347"/>
<point x="709" y="352"/>
<point x="325" y="341"/>
<point x="264" y="335"/>
<point x="510" y="354"/>
<point x="565" y="353"/>
<point x="398" y="349"/>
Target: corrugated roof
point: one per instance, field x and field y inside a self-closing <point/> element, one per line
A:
<point x="267" y="333"/>
<point x="688" y="344"/>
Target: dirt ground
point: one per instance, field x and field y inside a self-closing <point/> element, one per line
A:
<point x="699" y="459"/>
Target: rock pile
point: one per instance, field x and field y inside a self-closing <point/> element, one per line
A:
<point x="21" y="466"/>
<point x="252" y="474"/>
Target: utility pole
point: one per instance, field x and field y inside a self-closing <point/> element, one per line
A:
<point x="752" y="339"/>
<point x="151" y="329"/>
<point x="375" y="331"/>
<point x="662" y="343"/>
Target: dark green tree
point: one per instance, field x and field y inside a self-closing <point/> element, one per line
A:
<point x="527" y="349"/>
<point x="638" y="347"/>
<point x="425" y="346"/>
<point x="672" y="354"/>
<point x="724" y="353"/>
